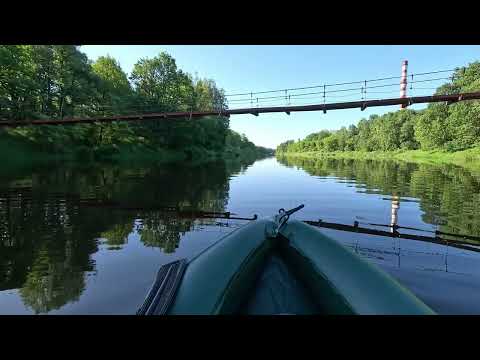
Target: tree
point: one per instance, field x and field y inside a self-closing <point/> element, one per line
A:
<point x="155" y="80"/>
<point x="208" y="96"/>
<point x="114" y="88"/>
<point x="431" y="127"/>
<point x="16" y="81"/>
<point x="57" y="81"/>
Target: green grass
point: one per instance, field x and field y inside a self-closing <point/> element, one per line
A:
<point x="467" y="158"/>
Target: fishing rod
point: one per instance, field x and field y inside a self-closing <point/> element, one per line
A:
<point x="438" y="239"/>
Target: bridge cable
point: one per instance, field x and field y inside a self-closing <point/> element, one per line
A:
<point x="337" y="84"/>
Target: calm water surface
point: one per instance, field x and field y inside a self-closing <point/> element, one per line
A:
<point x="90" y="239"/>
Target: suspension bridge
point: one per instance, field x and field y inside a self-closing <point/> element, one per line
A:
<point x="362" y="89"/>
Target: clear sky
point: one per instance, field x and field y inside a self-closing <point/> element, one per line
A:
<point x="260" y="67"/>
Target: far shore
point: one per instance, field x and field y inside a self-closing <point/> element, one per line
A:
<point x="467" y="158"/>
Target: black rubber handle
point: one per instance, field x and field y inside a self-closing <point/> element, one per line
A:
<point x="291" y="211"/>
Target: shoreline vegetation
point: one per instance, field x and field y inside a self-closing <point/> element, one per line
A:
<point x="469" y="159"/>
<point x="20" y="152"/>
<point x="440" y="133"/>
<point x="59" y="81"/>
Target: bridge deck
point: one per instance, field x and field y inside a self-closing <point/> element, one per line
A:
<point x="363" y="104"/>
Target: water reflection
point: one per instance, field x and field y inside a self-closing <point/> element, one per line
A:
<point x="448" y="195"/>
<point x="48" y="235"/>
<point x="442" y="197"/>
<point x="89" y="239"/>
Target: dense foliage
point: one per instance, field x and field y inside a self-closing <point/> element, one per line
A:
<point x="58" y="81"/>
<point x="439" y="126"/>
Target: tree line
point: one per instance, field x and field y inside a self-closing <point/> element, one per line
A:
<point x="59" y="81"/>
<point x="439" y="126"/>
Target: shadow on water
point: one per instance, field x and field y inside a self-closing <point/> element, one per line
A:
<point x="47" y="237"/>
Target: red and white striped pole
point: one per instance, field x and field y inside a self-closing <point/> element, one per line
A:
<point x="403" y="83"/>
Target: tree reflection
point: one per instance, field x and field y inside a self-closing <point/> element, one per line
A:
<point x="163" y="231"/>
<point x="50" y="283"/>
<point x="117" y="235"/>
<point x="448" y="194"/>
<point x="47" y="237"/>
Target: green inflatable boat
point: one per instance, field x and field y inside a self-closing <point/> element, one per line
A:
<point x="275" y="266"/>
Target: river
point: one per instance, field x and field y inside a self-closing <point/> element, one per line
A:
<point x="89" y="238"/>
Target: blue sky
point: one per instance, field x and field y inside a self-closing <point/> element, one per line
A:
<point x="260" y="67"/>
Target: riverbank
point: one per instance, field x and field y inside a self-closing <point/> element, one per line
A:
<point x="17" y="151"/>
<point x="467" y="158"/>
<point x="21" y="152"/>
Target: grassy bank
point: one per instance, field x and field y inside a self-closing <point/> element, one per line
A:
<point x="468" y="158"/>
